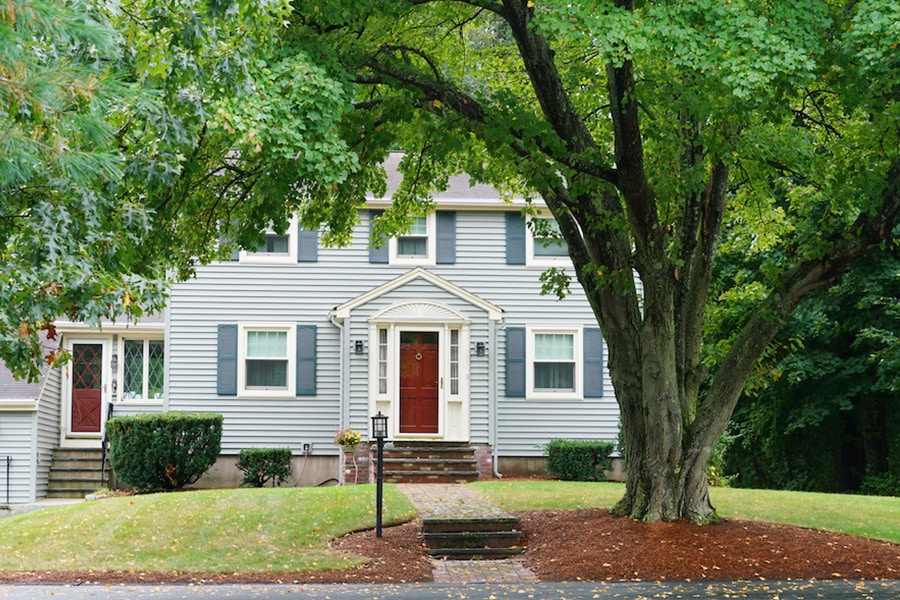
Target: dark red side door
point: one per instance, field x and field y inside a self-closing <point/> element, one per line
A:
<point x="87" y="395"/>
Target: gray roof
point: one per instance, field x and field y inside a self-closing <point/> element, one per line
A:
<point x="460" y="190"/>
<point x="12" y="389"/>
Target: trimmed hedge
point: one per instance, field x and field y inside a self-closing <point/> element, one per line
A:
<point x="578" y="460"/>
<point x="260" y="465"/>
<point x="163" y="451"/>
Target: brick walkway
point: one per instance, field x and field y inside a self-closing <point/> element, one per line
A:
<point x="455" y="501"/>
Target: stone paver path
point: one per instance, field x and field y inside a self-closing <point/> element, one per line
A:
<point x="456" y="501"/>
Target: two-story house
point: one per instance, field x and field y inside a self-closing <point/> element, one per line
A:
<point x="444" y="330"/>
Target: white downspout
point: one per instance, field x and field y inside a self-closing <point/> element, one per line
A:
<point x="492" y="396"/>
<point x="342" y="387"/>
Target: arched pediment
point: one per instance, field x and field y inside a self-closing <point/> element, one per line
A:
<point x="419" y="311"/>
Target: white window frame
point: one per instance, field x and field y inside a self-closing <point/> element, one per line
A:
<point x="291" y="340"/>
<point x="430" y="246"/>
<point x="289" y="257"/>
<point x="530" y="243"/>
<point x="121" y="392"/>
<point x="578" y="351"/>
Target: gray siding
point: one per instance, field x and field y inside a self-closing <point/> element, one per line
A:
<point x="49" y="421"/>
<point x="304" y="293"/>
<point x="17" y="441"/>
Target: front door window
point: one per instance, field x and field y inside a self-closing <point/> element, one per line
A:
<point x="419" y="382"/>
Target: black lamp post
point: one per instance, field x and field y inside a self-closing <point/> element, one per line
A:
<point x="379" y="432"/>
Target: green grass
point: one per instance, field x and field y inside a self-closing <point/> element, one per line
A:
<point x="223" y="531"/>
<point x="288" y="529"/>
<point x="875" y="517"/>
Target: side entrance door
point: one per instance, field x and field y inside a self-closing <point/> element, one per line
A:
<point x="419" y="385"/>
<point x="87" y="388"/>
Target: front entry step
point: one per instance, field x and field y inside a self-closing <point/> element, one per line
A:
<point x="429" y="462"/>
<point x="459" y="524"/>
<point x="76" y="472"/>
<point x="492" y="537"/>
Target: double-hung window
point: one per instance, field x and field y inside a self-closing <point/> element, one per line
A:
<point x="555" y="363"/>
<point x="275" y="247"/>
<point x="266" y="359"/>
<point x="417" y="245"/>
<point x="143" y="367"/>
<point x="545" y="245"/>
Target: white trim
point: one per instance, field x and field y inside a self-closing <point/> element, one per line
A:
<point x="291" y="350"/>
<point x="578" y="351"/>
<point x="541" y="261"/>
<point x="430" y="246"/>
<point x="269" y="258"/>
<point x="68" y="436"/>
<point x="390" y="398"/>
<point x="342" y="312"/>
<point x="145" y="337"/>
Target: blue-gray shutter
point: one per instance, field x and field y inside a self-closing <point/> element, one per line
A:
<point x="306" y="360"/>
<point x="227" y="359"/>
<point x="307" y="245"/>
<point x="515" y="362"/>
<point x="381" y="254"/>
<point x="446" y="237"/>
<point x="592" y="340"/>
<point x="515" y="239"/>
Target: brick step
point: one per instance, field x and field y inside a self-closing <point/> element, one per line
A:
<point x="430" y="476"/>
<point x="430" y="464"/>
<point x="486" y="524"/>
<point x="488" y="537"/>
<point x="472" y="539"/>
<point x="475" y="553"/>
<point x="426" y="453"/>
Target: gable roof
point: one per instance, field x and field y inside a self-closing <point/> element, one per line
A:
<point x="341" y="312"/>
<point x="18" y="394"/>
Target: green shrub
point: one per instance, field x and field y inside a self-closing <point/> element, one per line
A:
<point x="163" y="451"/>
<point x="884" y="484"/>
<point x="260" y="465"/>
<point x="578" y="460"/>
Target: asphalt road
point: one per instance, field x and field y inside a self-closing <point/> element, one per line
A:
<point x="758" y="590"/>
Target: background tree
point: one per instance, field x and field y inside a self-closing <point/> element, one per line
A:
<point x="823" y="412"/>
<point x="643" y="126"/>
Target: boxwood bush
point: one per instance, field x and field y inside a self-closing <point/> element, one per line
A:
<point x="261" y="465"/>
<point x="163" y="451"/>
<point x="578" y="460"/>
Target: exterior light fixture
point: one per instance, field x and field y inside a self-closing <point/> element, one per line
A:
<point x="379" y="432"/>
<point x="359" y="348"/>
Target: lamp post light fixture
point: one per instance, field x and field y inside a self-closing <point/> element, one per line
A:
<point x="379" y="432"/>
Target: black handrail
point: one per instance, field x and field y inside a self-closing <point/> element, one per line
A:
<point x="104" y="445"/>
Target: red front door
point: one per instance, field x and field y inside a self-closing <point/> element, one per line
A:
<point x="419" y="382"/>
<point x="87" y="362"/>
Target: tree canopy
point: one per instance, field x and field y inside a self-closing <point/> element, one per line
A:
<point x="656" y="133"/>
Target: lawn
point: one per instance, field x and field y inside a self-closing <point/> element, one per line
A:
<point x="224" y="531"/>
<point x="876" y="517"/>
<point x="289" y="529"/>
